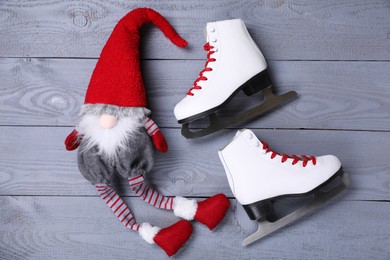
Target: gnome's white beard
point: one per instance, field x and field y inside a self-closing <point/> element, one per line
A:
<point x="108" y="141"/>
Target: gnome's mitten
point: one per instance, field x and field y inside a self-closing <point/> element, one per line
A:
<point x="157" y="137"/>
<point x="72" y="141"/>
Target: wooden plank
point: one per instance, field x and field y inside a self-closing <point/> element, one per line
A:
<point x="79" y="228"/>
<point x="33" y="161"/>
<point x="332" y="95"/>
<point x="285" y="30"/>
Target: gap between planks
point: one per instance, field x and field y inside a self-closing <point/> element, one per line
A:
<point x="232" y="128"/>
<point x="338" y="198"/>
<point x="189" y="59"/>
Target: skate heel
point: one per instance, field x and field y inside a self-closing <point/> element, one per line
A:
<point x="257" y="83"/>
<point x="261" y="210"/>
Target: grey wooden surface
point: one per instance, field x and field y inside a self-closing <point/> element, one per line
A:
<point x="335" y="54"/>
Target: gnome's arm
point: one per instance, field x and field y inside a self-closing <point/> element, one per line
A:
<point x="72" y="141"/>
<point x="156" y="135"/>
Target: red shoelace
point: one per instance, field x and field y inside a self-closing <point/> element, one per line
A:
<point x="304" y="158"/>
<point x="206" y="47"/>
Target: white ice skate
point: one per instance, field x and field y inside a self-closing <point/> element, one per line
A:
<point x="260" y="178"/>
<point x="234" y="63"/>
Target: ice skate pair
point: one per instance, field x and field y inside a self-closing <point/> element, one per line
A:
<point x="258" y="177"/>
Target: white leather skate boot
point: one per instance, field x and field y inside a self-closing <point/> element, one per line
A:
<point x="234" y="63"/>
<point x="259" y="177"/>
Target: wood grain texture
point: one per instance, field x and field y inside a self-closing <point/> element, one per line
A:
<point x="335" y="54"/>
<point x="285" y="29"/>
<point x="332" y="95"/>
<point x="83" y="228"/>
<point x="33" y="161"/>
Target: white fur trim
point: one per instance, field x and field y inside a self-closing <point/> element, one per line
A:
<point x="108" y="141"/>
<point x="185" y="208"/>
<point x="148" y="232"/>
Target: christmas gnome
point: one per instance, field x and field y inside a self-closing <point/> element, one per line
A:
<point x="115" y="136"/>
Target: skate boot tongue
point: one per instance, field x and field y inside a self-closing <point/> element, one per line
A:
<point x="199" y="82"/>
<point x="238" y="133"/>
<point x="247" y="133"/>
<point x="209" y="27"/>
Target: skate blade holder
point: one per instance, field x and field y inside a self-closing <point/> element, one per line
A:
<point x="320" y="197"/>
<point x="271" y="101"/>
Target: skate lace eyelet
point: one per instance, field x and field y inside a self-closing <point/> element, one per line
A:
<point x="207" y="47"/>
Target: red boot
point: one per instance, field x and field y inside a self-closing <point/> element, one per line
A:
<point x="170" y="239"/>
<point x="209" y="212"/>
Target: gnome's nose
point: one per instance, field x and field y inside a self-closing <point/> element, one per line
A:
<point x="107" y="121"/>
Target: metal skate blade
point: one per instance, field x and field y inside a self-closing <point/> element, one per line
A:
<point x="265" y="228"/>
<point x="215" y="125"/>
<point x="270" y="101"/>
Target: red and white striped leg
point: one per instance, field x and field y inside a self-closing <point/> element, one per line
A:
<point x="210" y="212"/>
<point x="118" y="206"/>
<point x="142" y="190"/>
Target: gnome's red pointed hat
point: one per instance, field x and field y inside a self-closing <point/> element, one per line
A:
<point x="117" y="78"/>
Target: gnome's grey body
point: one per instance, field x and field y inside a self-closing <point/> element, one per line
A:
<point x="137" y="160"/>
<point x="133" y="157"/>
